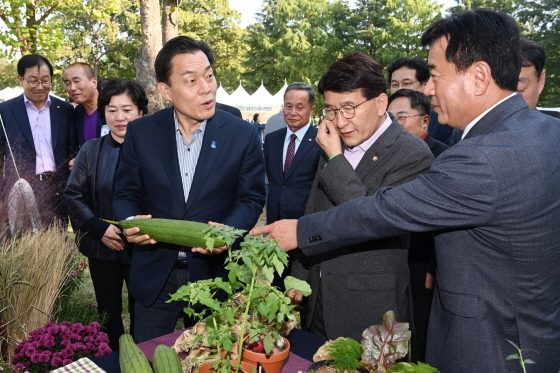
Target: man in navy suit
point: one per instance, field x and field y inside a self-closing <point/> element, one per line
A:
<point x="42" y="136"/>
<point x="289" y="187"/>
<point x="492" y="199"/>
<point x="188" y="162"/>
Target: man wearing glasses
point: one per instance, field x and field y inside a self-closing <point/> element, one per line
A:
<point x="40" y="129"/>
<point x="363" y="150"/>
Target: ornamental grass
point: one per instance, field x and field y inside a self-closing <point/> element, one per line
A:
<point x="34" y="268"/>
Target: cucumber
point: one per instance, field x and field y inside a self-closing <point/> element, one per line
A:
<point x="178" y="232"/>
<point x="131" y="358"/>
<point x="165" y="360"/>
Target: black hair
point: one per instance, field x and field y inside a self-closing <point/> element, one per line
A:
<point x="418" y="64"/>
<point x="32" y="60"/>
<point x="298" y="86"/>
<point x="122" y="87"/>
<point x="352" y="72"/>
<point x="481" y="35"/>
<point x="88" y="70"/>
<point x="418" y="100"/>
<point x="174" y="47"/>
<point x="255" y="117"/>
<point x="533" y="55"/>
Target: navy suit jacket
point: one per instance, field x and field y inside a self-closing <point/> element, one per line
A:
<point x="494" y="201"/>
<point x="16" y="121"/>
<point x="287" y="197"/>
<point x="437" y="147"/>
<point x="79" y="110"/>
<point x="228" y="187"/>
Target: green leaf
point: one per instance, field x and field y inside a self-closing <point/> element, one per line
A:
<point x="268" y="343"/>
<point x="513" y="357"/>
<point x="297" y="284"/>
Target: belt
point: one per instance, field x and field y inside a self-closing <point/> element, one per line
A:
<point x="181" y="264"/>
<point x="48" y="175"/>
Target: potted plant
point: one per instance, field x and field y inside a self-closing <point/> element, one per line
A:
<point x="380" y="348"/>
<point x="249" y="309"/>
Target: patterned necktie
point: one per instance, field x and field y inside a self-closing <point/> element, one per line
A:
<point x="290" y="153"/>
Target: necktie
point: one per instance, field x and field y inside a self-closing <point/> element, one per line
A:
<point x="290" y="153"/>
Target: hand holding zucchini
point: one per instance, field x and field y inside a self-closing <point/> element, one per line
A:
<point x="178" y="232"/>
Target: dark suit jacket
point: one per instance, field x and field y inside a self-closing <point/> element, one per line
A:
<point x="63" y="137"/>
<point x="439" y="132"/>
<point x="287" y="197"/>
<point x="228" y="187"/>
<point x="494" y="199"/>
<point x="230" y="109"/>
<point x="79" y="113"/>
<point x="436" y="147"/>
<point x="360" y="283"/>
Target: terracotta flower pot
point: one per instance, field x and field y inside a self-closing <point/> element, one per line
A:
<point x="246" y="367"/>
<point x="272" y="363"/>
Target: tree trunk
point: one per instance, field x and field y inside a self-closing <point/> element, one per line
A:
<point x="151" y="45"/>
<point x="170" y="20"/>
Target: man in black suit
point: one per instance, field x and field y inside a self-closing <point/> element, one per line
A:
<point x="189" y="162"/>
<point x="81" y="86"/>
<point x="413" y="73"/>
<point x="41" y="131"/>
<point x="289" y="184"/>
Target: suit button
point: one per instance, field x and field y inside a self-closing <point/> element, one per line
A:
<point x="283" y="187"/>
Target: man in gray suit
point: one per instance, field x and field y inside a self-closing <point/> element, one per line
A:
<point x="493" y="199"/>
<point x="363" y="150"/>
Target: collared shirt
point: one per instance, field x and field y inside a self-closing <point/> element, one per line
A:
<point x="40" y="122"/>
<point x="188" y="154"/>
<point x="475" y="121"/>
<point x="90" y="125"/>
<point x="355" y="154"/>
<point x="299" y="134"/>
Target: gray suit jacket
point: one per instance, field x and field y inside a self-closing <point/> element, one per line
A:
<point x="360" y="283"/>
<point x="494" y="199"/>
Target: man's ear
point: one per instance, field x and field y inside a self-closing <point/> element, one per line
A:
<point x="482" y="74"/>
<point x="164" y="90"/>
<point x="542" y="80"/>
<point x="382" y="104"/>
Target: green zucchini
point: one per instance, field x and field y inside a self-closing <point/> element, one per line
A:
<point x="178" y="232"/>
<point x="131" y="358"/>
<point x="165" y="360"/>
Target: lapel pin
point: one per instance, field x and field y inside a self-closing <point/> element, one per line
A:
<point x="375" y="158"/>
<point x="310" y="139"/>
<point x="213" y="146"/>
<point x="58" y="107"/>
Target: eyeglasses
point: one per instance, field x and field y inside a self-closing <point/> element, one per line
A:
<point x="347" y="111"/>
<point x="35" y="83"/>
<point x="402" y="118"/>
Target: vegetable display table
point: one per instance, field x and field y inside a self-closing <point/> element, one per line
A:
<point x="304" y="346"/>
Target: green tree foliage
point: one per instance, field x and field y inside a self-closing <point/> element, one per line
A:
<point x="30" y="26"/>
<point x="218" y="25"/>
<point x="390" y="29"/>
<point x="8" y="74"/>
<point x="295" y="40"/>
<point x="102" y="33"/>
<point x="540" y="20"/>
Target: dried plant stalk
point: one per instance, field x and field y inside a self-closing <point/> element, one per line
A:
<point x="33" y="270"/>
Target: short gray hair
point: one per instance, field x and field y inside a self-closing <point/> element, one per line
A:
<point x="299" y="86"/>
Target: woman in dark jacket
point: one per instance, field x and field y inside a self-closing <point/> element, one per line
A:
<point x="89" y="194"/>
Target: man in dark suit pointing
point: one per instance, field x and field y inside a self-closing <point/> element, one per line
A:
<point x="188" y="162"/>
<point x="492" y="199"/>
